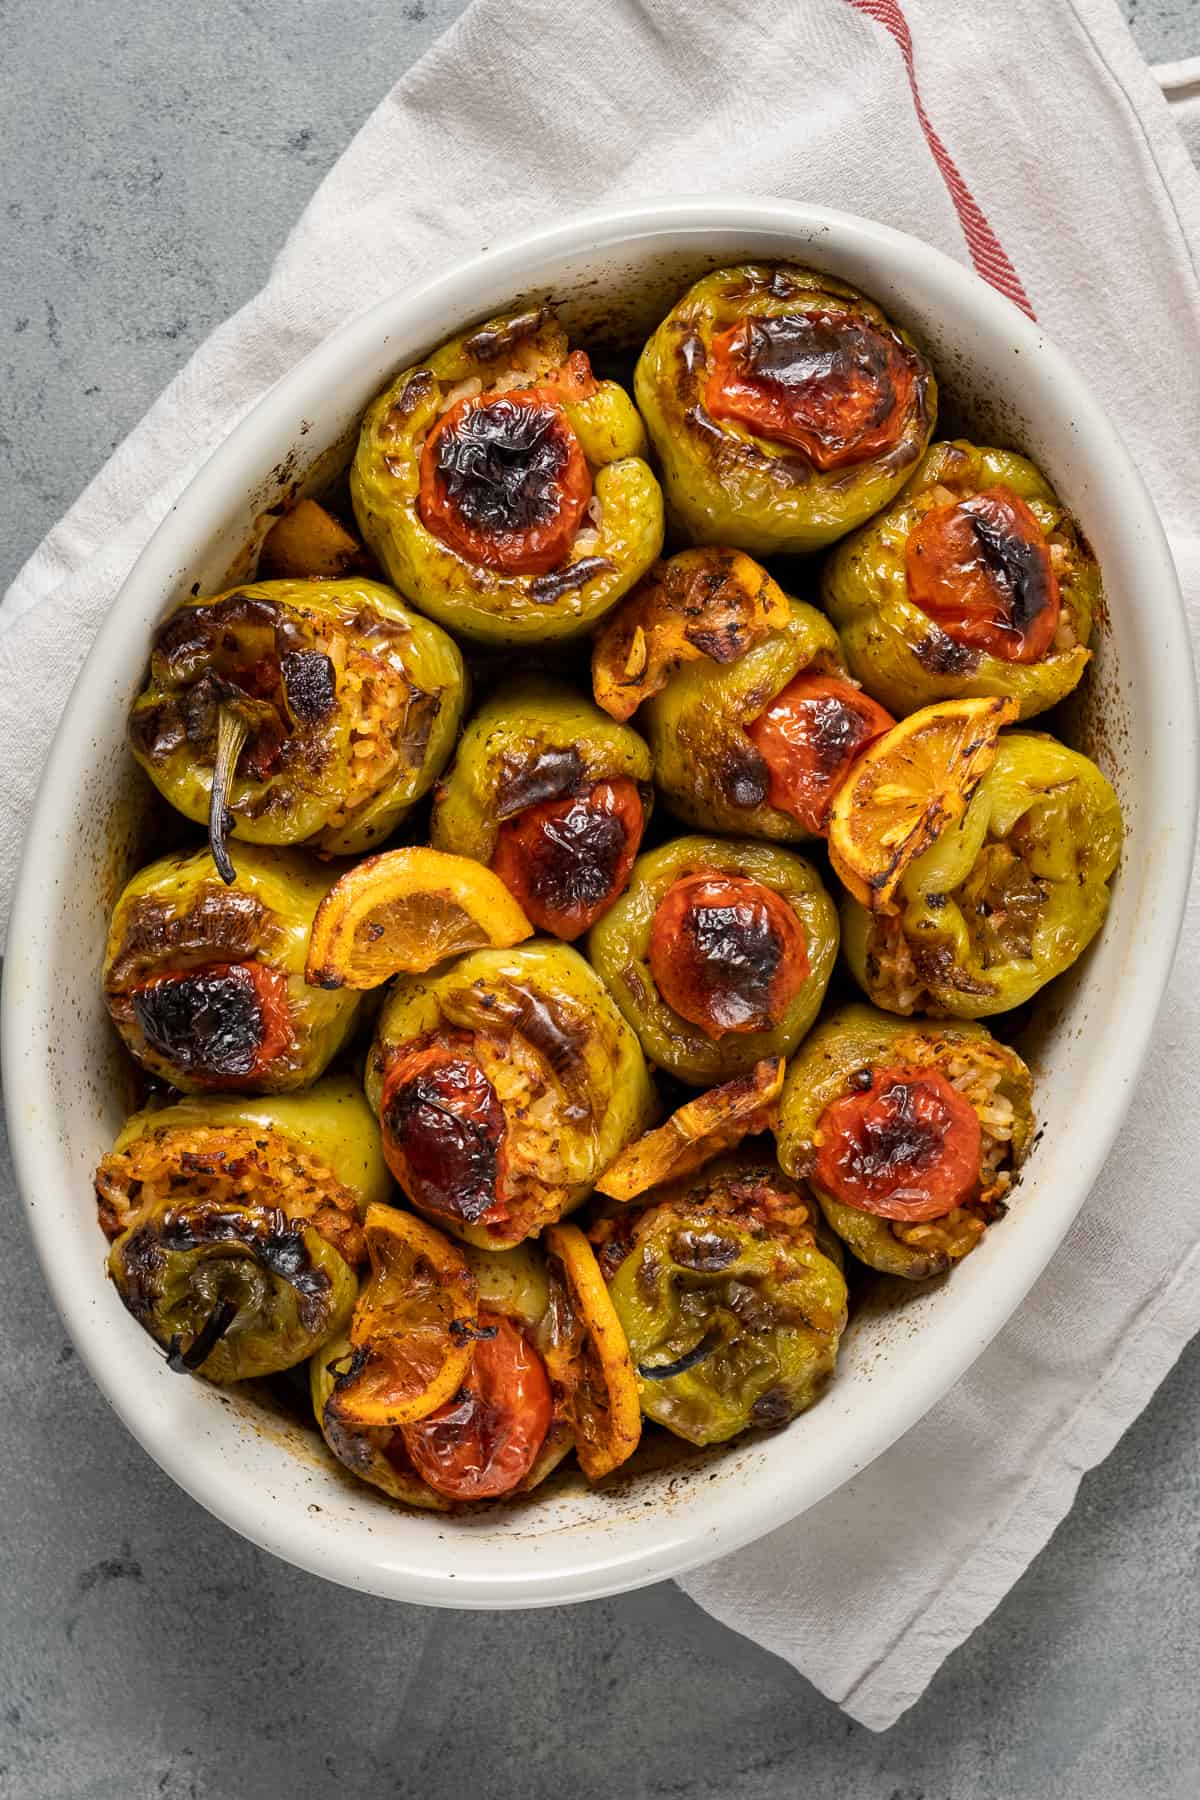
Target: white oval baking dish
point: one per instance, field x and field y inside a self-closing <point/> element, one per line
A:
<point x="613" y="275"/>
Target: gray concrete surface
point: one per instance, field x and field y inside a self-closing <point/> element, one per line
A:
<point x="152" y="155"/>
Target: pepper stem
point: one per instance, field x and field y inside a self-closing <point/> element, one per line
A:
<point x="184" y="1362"/>
<point x="231" y="735"/>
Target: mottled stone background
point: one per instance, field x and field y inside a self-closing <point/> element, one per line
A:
<point x="152" y="157"/>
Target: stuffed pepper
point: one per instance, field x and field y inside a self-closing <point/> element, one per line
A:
<point x="975" y="581"/>
<point x="205" y="982"/>
<point x="298" y="712"/>
<point x="751" y="717"/>
<point x="1004" y="892"/>
<point x="718" y="954"/>
<point x="552" y="795"/>
<point x="732" y="1310"/>
<point x="504" y="489"/>
<point x="236" y="1224"/>
<point x="784" y="406"/>
<point x="504" y="1084"/>
<point x="468" y="1375"/>
<point x="909" y="1134"/>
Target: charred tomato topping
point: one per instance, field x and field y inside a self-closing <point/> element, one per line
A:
<point x="980" y="568"/>
<point x="832" y="386"/>
<point x="567" y="860"/>
<point x="485" y="1440"/>
<point x="444" y="1131"/>
<point x="808" y="737"/>
<point x="727" y="952"/>
<point x="504" y="480"/>
<point x="220" y="1024"/>
<point x="903" y="1144"/>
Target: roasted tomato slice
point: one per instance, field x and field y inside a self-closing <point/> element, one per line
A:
<point x="223" y="1023"/>
<point x="484" y="1441"/>
<point x="903" y="1144"/>
<point x="728" y="953"/>
<point x="504" y="480"/>
<point x="566" y="861"/>
<point x="808" y="737"/>
<point x="444" y="1131"/>
<point x="831" y="385"/>
<point x="981" y="570"/>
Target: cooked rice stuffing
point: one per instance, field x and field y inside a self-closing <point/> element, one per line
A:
<point x="538" y="1187"/>
<point x="227" y="1165"/>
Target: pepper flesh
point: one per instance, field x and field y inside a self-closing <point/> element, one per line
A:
<point x="732" y="1312"/>
<point x="553" y="795"/>
<point x="504" y="489"/>
<point x="206" y="983"/>
<point x="846" y="1060"/>
<point x="547" y="1084"/>
<point x="1002" y="901"/>
<point x="348" y="705"/>
<point x="924" y="595"/>
<point x="620" y="946"/>
<point x="785" y="408"/>
<point x="243" y="1214"/>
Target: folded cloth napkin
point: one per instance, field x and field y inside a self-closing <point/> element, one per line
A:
<point x="1024" y="136"/>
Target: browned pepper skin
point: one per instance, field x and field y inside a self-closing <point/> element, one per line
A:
<point x="351" y="703"/>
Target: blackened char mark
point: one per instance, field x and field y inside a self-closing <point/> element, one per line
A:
<point x="553" y="774"/>
<point x="546" y="589"/>
<point x="939" y="654"/>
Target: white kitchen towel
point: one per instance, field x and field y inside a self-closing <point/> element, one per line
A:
<point x="1025" y="136"/>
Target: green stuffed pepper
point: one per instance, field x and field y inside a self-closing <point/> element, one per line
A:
<point x="909" y="1134"/>
<point x="236" y="1224"/>
<point x="1004" y="899"/>
<point x="718" y="954"/>
<point x="784" y="406"/>
<point x="504" y="489"/>
<point x="732" y="1310"/>
<point x="298" y="712"/>
<point x="505" y="1083"/>
<point x="205" y="982"/>
<point x="553" y="795"/>
<point x="499" y="1433"/>
<point x="751" y="718"/>
<point x="975" y="581"/>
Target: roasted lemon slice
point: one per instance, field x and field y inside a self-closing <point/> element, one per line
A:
<point x="588" y="1357"/>
<point x="905" y="789"/>
<point x="404" y="911"/>
<point x="414" y="1327"/>
<point x="703" y="1129"/>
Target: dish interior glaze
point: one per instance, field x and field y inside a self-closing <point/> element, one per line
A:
<point x="612" y="278"/>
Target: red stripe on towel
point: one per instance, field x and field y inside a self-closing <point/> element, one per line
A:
<point x="986" y="251"/>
